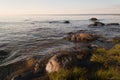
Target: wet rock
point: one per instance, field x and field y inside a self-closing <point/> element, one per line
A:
<point x="3" y="54"/>
<point x="97" y="24"/>
<point x="54" y="22"/>
<point x="65" y="60"/>
<point x="113" y="40"/>
<point x="24" y="76"/>
<point x="66" y="22"/>
<point x="30" y="69"/>
<point x="113" y="24"/>
<point x="70" y="33"/>
<point x="93" y="19"/>
<point x="82" y="54"/>
<point x="114" y="29"/>
<point x="22" y="70"/>
<point x="81" y="37"/>
<point x="93" y="46"/>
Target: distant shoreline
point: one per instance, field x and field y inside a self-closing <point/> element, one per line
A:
<point x="68" y="14"/>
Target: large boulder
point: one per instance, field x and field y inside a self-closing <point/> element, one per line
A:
<point x="97" y="24"/>
<point x="65" y="60"/>
<point x="61" y="60"/>
<point x="81" y="37"/>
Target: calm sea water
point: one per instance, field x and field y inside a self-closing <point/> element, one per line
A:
<point x="25" y="35"/>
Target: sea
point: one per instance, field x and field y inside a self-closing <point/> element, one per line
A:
<point x="29" y="35"/>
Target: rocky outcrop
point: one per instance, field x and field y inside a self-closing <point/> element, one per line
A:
<point x="93" y="19"/>
<point x="97" y="24"/>
<point x="81" y="37"/>
<point x="113" y="24"/>
<point x="65" y="60"/>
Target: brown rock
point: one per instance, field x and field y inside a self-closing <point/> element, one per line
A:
<point x="65" y="60"/>
<point x="81" y="37"/>
<point x="60" y="61"/>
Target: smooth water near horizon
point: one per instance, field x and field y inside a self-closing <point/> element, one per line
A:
<point x="27" y="35"/>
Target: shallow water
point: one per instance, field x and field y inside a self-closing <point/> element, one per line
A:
<point x="34" y="35"/>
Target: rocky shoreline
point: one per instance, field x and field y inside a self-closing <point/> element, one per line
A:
<point x="86" y="44"/>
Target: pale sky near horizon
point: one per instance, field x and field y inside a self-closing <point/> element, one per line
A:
<point x="59" y="7"/>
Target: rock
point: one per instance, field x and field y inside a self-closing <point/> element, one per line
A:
<point x="54" y="22"/>
<point x="113" y="24"/>
<point x="24" y="76"/>
<point x="97" y="24"/>
<point x="93" y="46"/>
<point x="80" y="37"/>
<point x="22" y="70"/>
<point x="65" y="60"/>
<point x="93" y="19"/>
<point x="70" y="33"/>
<point x="3" y="54"/>
<point x="66" y="22"/>
<point x="114" y="40"/>
<point x="82" y="54"/>
<point x="61" y="60"/>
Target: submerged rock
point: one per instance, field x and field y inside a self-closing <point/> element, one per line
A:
<point x="97" y="24"/>
<point x="93" y="19"/>
<point x="54" y="22"/>
<point x="81" y="37"/>
<point x="113" y="24"/>
<point x="3" y="54"/>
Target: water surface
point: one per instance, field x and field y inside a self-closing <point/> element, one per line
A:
<point x="26" y="35"/>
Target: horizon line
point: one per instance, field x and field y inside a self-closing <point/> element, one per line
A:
<point x="66" y="14"/>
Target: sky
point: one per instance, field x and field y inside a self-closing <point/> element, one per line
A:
<point x="11" y="7"/>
